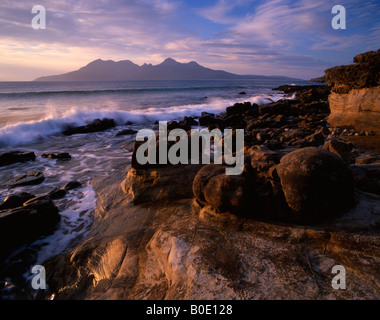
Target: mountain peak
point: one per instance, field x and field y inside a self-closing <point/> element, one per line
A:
<point x="169" y="61"/>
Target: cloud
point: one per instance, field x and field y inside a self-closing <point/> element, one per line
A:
<point x="241" y="36"/>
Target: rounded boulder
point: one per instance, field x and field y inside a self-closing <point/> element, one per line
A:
<point x="316" y="184"/>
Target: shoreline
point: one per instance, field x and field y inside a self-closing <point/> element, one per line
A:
<point x="127" y="235"/>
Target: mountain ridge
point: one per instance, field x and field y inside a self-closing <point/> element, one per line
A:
<point x="169" y="69"/>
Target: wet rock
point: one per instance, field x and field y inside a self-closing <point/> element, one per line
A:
<point x="240" y="108"/>
<point x="32" y="177"/>
<point x="57" y="193"/>
<point x="15" y="200"/>
<point x="71" y="185"/>
<point x="316" y="183"/>
<point x="16" y="156"/>
<point x="95" y="126"/>
<point x="126" y="132"/>
<point x="24" y="224"/>
<point x="59" y="156"/>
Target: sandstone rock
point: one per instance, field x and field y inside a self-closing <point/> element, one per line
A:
<point x="356" y="92"/>
<point x="225" y="193"/>
<point x="365" y="73"/>
<point x="316" y="184"/>
<point x="160" y="184"/>
<point x="95" y="126"/>
<point x="16" y="156"/>
<point x="358" y="107"/>
<point x="179" y="251"/>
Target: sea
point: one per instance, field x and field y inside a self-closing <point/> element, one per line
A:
<point x="33" y="116"/>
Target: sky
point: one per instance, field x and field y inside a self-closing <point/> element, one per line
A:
<point x="275" y="37"/>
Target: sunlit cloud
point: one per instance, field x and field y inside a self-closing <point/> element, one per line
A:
<point x="291" y="38"/>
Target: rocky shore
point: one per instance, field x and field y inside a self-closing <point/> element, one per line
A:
<point x="307" y="200"/>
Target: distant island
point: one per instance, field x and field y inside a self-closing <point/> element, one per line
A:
<point x="101" y="70"/>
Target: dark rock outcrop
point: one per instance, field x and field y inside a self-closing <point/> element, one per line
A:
<point x="58" y="156"/>
<point x="23" y="224"/>
<point x="16" y="156"/>
<point x="95" y="126"/>
<point x="125" y="132"/>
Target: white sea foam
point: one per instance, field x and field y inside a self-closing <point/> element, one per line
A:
<point x="56" y="122"/>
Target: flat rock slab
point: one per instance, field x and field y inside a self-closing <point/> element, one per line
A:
<point x="178" y="250"/>
<point x="30" y="178"/>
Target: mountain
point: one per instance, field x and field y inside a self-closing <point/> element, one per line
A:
<point x="169" y="69"/>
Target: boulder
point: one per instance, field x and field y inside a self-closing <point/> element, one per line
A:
<point x="316" y="184"/>
<point x="71" y="185"/>
<point x="16" y="156"/>
<point x="224" y="193"/>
